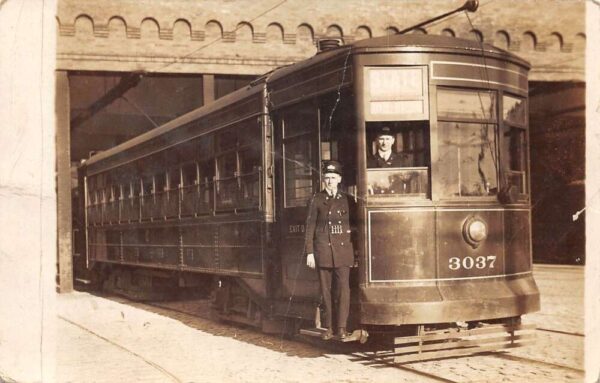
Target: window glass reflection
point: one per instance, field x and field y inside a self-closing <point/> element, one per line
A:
<point x="467" y="159"/>
<point x="513" y="110"/>
<point x="298" y="172"/>
<point x="515" y="150"/>
<point x="398" y="182"/>
<point x="398" y="159"/>
<point x="472" y="105"/>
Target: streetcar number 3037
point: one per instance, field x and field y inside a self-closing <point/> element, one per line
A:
<point x="467" y="263"/>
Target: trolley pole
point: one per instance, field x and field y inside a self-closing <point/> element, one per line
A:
<point x="469" y="5"/>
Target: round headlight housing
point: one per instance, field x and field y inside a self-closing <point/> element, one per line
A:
<point x="475" y="231"/>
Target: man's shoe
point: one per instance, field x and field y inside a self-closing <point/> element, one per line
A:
<point x="342" y="333"/>
<point x="328" y="334"/>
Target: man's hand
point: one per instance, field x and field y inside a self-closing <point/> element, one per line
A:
<point x="310" y="260"/>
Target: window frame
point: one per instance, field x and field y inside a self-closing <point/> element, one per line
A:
<point x="243" y="141"/>
<point x="524" y="129"/>
<point x="494" y="121"/>
<point x="398" y="116"/>
<point x="401" y="127"/>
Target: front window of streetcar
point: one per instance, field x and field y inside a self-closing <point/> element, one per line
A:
<point x="467" y="143"/>
<point x="397" y="132"/>
<point x="405" y="173"/>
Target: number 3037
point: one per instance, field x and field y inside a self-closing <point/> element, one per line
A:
<point x="467" y="263"/>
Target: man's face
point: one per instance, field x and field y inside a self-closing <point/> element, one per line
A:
<point x="331" y="181"/>
<point x="385" y="142"/>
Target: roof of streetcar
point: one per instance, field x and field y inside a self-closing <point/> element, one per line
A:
<point x="414" y="42"/>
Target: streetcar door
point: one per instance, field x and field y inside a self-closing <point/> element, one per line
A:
<point x="297" y="177"/>
<point x="309" y="133"/>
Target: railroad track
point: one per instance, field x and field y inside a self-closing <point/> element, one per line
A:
<point x="561" y="332"/>
<point x="506" y="356"/>
<point x="377" y="361"/>
<point x="337" y="347"/>
<point x="416" y="368"/>
<point x="361" y="354"/>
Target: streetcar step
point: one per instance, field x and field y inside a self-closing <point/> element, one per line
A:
<point x="356" y="335"/>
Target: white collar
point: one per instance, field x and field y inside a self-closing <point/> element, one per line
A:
<point x="385" y="155"/>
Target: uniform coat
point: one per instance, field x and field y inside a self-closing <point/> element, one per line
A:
<point x="328" y="230"/>
<point x="394" y="161"/>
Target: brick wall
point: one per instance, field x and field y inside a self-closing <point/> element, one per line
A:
<point x="254" y="36"/>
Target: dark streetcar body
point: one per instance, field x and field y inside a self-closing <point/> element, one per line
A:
<point x="221" y="193"/>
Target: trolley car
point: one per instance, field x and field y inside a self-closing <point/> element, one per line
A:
<point x="217" y="198"/>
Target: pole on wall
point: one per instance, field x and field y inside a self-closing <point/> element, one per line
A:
<point x="208" y="88"/>
<point x="63" y="184"/>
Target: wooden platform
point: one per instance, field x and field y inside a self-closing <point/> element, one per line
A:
<point x="451" y="342"/>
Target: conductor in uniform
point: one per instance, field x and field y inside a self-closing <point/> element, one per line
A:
<point x="329" y="247"/>
<point x="384" y="156"/>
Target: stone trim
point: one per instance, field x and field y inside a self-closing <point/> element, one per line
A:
<point x="170" y="60"/>
<point x="259" y="37"/>
<point x="567" y="48"/>
<point x="229" y="37"/>
<point x="66" y="30"/>
<point x="540" y="47"/>
<point x="165" y="33"/>
<point x="289" y="38"/>
<point x="133" y="33"/>
<point x="101" y="31"/>
<point x="198" y="35"/>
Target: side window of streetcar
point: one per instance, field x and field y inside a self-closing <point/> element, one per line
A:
<point x="173" y="179"/>
<point x="91" y="189"/>
<point x="160" y="182"/>
<point x="249" y="162"/>
<point x="147" y="186"/>
<point x="226" y="182"/>
<point x="238" y="160"/>
<point x="299" y="125"/>
<point x="207" y="174"/>
<point x="189" y="175"/>
<point x="115" y="193"/>
<point x="135" y="188"/>
<point x="514" y="151"/>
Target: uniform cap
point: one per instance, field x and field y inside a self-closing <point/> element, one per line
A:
<point x="385" y="131"/>
<point x="332" y="167"/>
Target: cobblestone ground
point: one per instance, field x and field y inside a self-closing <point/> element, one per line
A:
<point x="107" y="340"/>
<point x="561" y="289"/>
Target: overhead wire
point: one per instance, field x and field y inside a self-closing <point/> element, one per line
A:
<point x="178" y="59"/>
<point x="139" y="109"/>
<point x="493" y="149"/>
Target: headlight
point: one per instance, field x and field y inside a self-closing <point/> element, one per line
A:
<point x="474" y="231"/>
